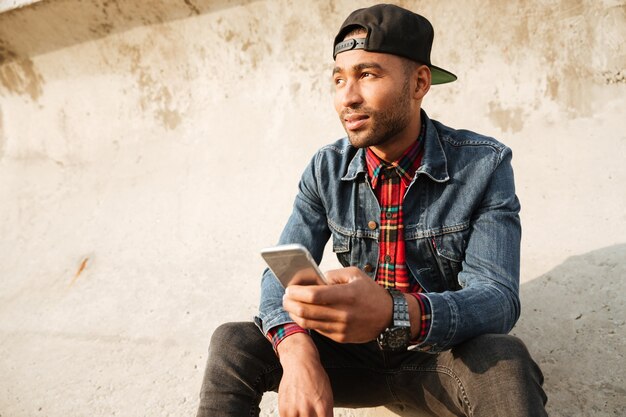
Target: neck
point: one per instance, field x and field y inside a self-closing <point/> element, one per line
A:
<point x="393" y="149"/>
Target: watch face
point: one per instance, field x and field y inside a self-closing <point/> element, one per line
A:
<point x="397" y="338"/>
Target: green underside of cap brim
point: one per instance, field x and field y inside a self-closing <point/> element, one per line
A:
<point x="441" y="76"/>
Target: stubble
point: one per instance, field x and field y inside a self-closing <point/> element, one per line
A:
<point x="384" y="124"/>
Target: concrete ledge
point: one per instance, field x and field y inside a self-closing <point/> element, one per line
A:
<point x="58" y="24"/>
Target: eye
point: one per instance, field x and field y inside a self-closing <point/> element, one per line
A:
<point x="338" y="81"/>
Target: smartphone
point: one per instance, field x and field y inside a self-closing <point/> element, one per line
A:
<point x="293" y="264"/>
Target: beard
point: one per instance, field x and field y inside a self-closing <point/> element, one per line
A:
<point x="384" y="124"/>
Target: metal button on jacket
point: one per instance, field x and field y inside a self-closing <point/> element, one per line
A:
<point x="372" y="225"/>
<point x="368" y="268"/>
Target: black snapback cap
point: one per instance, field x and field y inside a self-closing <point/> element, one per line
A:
<point x="392" y="30"/>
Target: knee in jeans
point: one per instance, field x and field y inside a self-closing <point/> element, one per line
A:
<point x="497" y="344"/>
<point x="490" y="350"/>
<point x="223" y="334"/>
<point x="230" y="336"/>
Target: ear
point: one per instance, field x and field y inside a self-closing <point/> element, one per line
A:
<point x="422" y="81"/>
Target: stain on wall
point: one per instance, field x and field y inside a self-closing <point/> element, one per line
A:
<point x="507" y="119"/>
<point x="194" y="9"/>
<point x="614" y="77"/>
<point x="566" y="48"/>
<point x="248" y="41"/>
<point x="18" y="75"/>
<point x="155" y="95"/>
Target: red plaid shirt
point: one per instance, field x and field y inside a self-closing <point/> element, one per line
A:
<point x="390" y="182"/>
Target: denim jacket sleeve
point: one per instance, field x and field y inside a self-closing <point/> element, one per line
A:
<point x="308" y="226"/>
<point x="488" y="301"/>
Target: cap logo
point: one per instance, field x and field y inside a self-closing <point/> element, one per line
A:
<point x="350" y="44"/>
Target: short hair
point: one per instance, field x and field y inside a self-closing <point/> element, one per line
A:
<point x="355" y="30"/>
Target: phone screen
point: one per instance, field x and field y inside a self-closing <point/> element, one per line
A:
<point x="293" y="264"/>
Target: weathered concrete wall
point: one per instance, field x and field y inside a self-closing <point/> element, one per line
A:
<point x="149" y="149"/>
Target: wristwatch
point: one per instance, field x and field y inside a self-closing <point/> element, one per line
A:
<point x="398" y="336"/>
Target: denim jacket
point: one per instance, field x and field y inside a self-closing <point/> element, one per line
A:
<point x="461" y="228"/>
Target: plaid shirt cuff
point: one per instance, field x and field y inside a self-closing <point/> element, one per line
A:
<point x="279" y="333"/>
<point x="425" y="309"/>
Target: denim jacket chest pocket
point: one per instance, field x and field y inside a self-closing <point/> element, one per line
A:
<point x="434" y="256"/>
<point x="355" y="247"/>
<point x="341" y="244"/>
<point x="355" y="228"/>
<point x="437" y="258"/>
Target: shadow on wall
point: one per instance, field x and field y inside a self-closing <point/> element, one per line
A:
<point x="573" y="324"/>
<point x="51" y="25"/>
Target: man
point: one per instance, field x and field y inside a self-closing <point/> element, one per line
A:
<point x="425" y="221"/>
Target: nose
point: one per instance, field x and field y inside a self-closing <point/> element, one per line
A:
<point x="349" y="96"/>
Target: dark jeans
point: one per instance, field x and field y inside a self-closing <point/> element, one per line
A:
<point x="490" y="375"/>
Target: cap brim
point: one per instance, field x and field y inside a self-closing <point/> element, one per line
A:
<point x="440" y="75"/>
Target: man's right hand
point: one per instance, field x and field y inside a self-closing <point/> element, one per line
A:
<point x="304" y="390"/>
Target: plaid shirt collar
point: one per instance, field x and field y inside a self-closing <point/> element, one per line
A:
<point x="405" y="166"/>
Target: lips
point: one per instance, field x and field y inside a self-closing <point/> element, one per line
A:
<point x="354" y="121"/>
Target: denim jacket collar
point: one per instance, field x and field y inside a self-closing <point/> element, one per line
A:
<point x="434" y="163"/>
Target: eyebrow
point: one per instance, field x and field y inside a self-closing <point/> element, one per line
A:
<point x="359" y="67"/>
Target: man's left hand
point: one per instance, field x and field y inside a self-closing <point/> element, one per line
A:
<point x="353" y="308"/>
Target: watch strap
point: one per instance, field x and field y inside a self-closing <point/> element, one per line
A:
<point x="400" y="309"/>
<point x="398" y="335"/>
